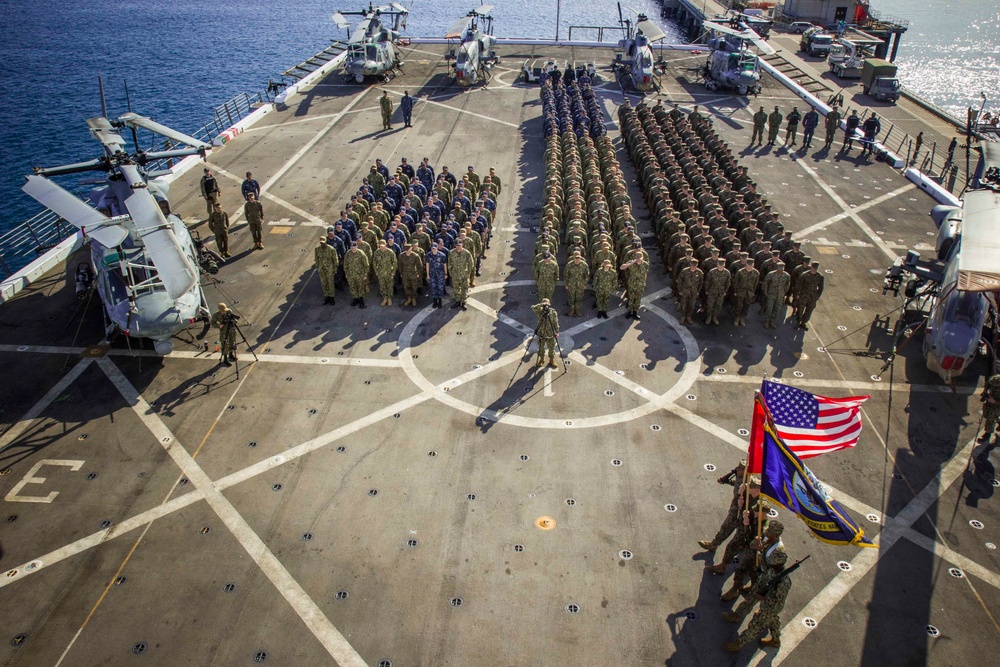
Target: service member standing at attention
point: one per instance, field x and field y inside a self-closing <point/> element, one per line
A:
<point x="809" y="123"/>
<point x="406" y="106"/>
<point x="461" y="268"/>
<point x="218" y="222"/>
<point x="792" y="128"/>
<point x="774" y="287"/>
<point x="386" y="104"/>
<point x="326" y="265"/>
<point x="808" y="290"/>
<point x="437" y="272"/>
<point x="605" y="284"/>
<point x="547" y="330"/>
<point x="774" y="126"/>
<point x="577" y="275"/>
<point x="411" y="270"/>
<point x="759" y="121"/>
<point x="717" y="282"/>
<point x="210" y="190"/>
<point x="254" y="212"/>
<point x="385" y="265"/>
<point x="546" y="276"/>
<point x="250" y="186"/>
<point x="832" y="123"/>
<point x="356" y="269"/>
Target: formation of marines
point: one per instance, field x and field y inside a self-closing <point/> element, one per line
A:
<point x="586" y="206"/>
<point x="719" y="239"/>
<point x="407" y="230"/>
<point x="760" y="577"/>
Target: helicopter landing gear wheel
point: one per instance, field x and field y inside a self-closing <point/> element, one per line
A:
<point x="742" y="90"/>
<point x="712" y="85"/>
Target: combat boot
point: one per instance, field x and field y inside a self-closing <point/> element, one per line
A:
<point x="771" y="642"/>
<point x="732" y="617"/>
<point x="552" y="363"/>
<point x="731" y="647"/>
<point x="717" y="569"/>
<point x="354" y="302"/>
<point x="541" y="361"/>
<point x="707" y="545"/>
<point x="383" y="301"/>
<point x="332" y="301"/>
<point x="361" y="302"/>
<point x="731" y="594"/>
<point x="388" y="301"/>
<point x="635" y="315"/>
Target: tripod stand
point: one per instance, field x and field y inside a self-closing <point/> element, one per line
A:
<point x="227" y="332"/>
<point x="543" y="319"/>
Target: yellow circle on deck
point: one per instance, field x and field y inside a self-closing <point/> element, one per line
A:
<point x="545" y="523"/>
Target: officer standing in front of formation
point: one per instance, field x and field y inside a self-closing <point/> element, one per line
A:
<point x="326" y="264"/>
<point x="774" y="287"/>
<point x="759" y="121"/>
<point x="461" y="268"/>
<point x="218" y="222"/>
<point x="250" y="186"/>
<point x="254" y="212"/>
<point x="384" y="264"/>
<point x="411" y="269"/>
<point x="605" y="283"/>
<point x="386" y="104"/>
<point x="808" y="290"/>
<point x="809" y="123"/>
<point x="735" y="479"/>
<point x="577" y="276"/>
<point x="222" y="320"/>
<point x="774" y="126"/>
<point x="356" y="269"/>
<point x="771" y="590"/>
<point x="547" y="330"/>
<point x="636" y="273"/>
<point x="210" y="190"/>
<point x="437" y="272"/>
<point x="406" y="106"/>
<point x="832" y="122"/>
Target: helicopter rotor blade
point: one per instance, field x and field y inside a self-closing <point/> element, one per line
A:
<point x="459" y="27"/>
<point x="135" y="120"/>
<point x="175" y="268"/>
<point x="341" y="21"/>
<point x="75" y="211"/>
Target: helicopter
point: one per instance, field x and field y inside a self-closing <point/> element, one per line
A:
<point x="636" y="66"/>
<point x="372" y="47"/>
<point x="731" y="65"/>
<point x="958" y="283"/>
<point x="142" y="257"/>
<point x="475" y="56"/>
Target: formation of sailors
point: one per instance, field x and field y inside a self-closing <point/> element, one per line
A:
<point x="719" y="239"/>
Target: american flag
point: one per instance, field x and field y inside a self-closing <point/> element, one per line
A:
<point x="812" y="425"/>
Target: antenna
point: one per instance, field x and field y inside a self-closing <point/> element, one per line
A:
<point x="135" y="133"/>
<point x="104" y="104"/>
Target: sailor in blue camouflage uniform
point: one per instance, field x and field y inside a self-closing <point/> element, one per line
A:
<point x="437" y="272"/>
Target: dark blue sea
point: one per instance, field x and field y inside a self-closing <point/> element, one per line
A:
<point x="182" y="58"/>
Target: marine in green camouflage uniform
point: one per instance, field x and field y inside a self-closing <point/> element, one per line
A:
<point x="735" y="479"/>
<point x="227" y="333"/>
<point x="774" y="288"/>
<point x="218" y="222"/>
<point x="461" y="267"/>
<point x="636" y="272"/>
<point x="356" y="269"/>
<point x="326" y="265"/>
<point x="808" y="290"/>
<point x="411" y="271"/>
<point x="767" y="617"/>
<point x="991" y="406"/>
<point x="547" y="330"/>
<point x="546" y="276"/>
<point x="577" y="276"/>
<point x="688" y="285"/>
<point x="605" y="283"/>
<point x="385" y="265"/>
<point x="254" y="212"/>
<point x="744" y="288"/>
<point x="717" y="283"/>
<point x="755" y="562"/>
<point x="746" y="528"/>
<point x="774" y="125"/>
<point x="386" y="105"/>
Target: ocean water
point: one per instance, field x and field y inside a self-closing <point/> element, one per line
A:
<point x="181" y="58"/>
<point x="951" y="51"/>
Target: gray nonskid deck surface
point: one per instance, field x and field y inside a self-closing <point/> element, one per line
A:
<point x="370" y="489"/>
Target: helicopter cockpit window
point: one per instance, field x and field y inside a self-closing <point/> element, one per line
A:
<point x="372" y="52"/>
<point x="965" y="308"/>
<point x="463" y="55"/>
<point x="646" y="60"/>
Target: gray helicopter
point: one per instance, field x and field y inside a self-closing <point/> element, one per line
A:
<point x="635" y="67"/>
<point x="953" y="291"/>
<point x="731" y="65"/>
<point x="372" y="47"/>
<point x="475" y="55"/>
<point x="143" y="259"/>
